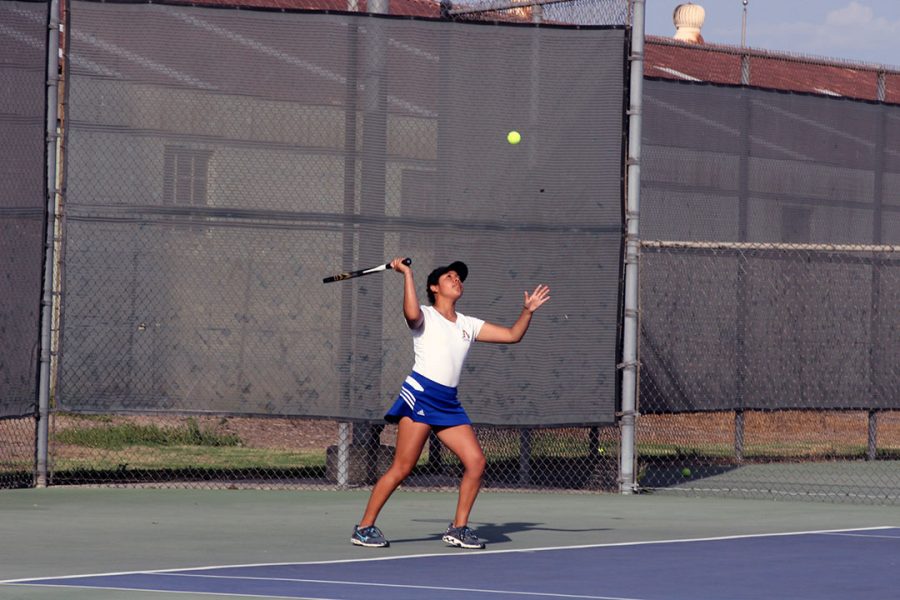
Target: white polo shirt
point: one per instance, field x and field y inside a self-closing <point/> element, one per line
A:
<point x="441" y="346"/>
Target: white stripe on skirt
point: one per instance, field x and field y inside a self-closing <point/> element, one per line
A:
<point x="408" y="397"/>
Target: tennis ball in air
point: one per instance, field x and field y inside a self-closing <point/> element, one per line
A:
<point x="513" y="137"/>
<point x="601" y="450"/>
<point x="685" y="472"/>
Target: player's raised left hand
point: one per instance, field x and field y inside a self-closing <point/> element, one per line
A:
<point x="537" y="298"/>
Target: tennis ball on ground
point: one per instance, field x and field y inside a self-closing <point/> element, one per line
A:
<point x="513" y="137"/>
<point x="685" y="472"/>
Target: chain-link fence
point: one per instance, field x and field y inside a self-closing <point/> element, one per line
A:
<point x="767" y="351"/>
<point x="183" y="451"/>
<point x="17" y="452"/>
<point x="546" y="12"/>
<point x="205" y="201"/>
<point x="219" y="163"/>
<point x="23" y="201"/>
<point x="770" y="370"/>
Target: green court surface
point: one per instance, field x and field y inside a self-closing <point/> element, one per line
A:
<point x="71" y="531"/>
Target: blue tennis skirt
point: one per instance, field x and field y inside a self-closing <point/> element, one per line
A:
<point x="426" y="401"/>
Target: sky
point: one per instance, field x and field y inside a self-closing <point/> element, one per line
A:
<point x="857" y="30"/>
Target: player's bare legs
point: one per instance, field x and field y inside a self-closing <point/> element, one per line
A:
<point x="462" y="442"/>
<point x="411" y="438"/>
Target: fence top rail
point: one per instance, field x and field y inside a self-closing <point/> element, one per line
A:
<point x="769" y="246"/>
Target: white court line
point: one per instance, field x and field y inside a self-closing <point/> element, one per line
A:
<point x="128" y="589"/>
<point x="467" y="554"/>
<point x="418" y="587"/>
<point x="399" y="585"/>
<point x="880" y="537"/>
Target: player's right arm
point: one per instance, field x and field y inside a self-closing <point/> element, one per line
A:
<point x="412" y="312"/>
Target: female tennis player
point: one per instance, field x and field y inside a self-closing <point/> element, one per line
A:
<point x="427" y="401"/>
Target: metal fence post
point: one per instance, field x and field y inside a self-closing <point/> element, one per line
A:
<point x="43" y="416"/>
<point x="741" y="283"/>
<point x="366" y="436"/>
<point x="343" y="455"/>
<point x="872" y="436"/>
<point x="627" y="480"/>
<point x="348" y="245"/>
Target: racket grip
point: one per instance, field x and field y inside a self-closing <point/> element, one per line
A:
<point x="406" y="261"/>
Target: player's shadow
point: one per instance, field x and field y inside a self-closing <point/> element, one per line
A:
<point x="497" y="533"/>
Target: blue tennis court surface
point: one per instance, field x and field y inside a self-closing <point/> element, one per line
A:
<point x="820" y="565"/>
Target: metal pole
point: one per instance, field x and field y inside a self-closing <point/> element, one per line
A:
<point x="537" y="16"/>
<point x="372" y="205"/>
<point x="872" y="449"/>
<point x="878" y="366"/>
<point x="739" y="432"/>
<point x="348" y="243"/>
<point x="343" y="455"/>
<point x="627" y="480"/>
<point x="743" y="264"/>
<point x="43" y="416"/>
<point x="744" y="25"/>
<point x="745" y="56"/>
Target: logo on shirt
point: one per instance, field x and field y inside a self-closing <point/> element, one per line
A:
<point x="420" y="412"/>
<point x="465" y="335"/>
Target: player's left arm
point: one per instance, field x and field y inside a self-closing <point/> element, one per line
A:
<point x="498" y="334"/>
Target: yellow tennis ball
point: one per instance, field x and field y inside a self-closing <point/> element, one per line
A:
<point x="513" y="137"/>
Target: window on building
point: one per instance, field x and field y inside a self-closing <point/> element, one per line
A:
<point x="185" y="180"/>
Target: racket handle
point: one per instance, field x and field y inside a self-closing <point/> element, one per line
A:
<point x="406" y="261"/>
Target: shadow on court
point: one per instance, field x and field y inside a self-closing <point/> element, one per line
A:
<point x="498" y="533"/>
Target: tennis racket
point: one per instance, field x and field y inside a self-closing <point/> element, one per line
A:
<point x="361" y="272"/>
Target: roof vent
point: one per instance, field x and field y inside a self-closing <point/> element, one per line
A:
<point x="688" y="19"/>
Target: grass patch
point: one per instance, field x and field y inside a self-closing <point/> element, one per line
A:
<point x="138" y="458"/>
<point x="117" y="437"/>
<point x="96" y="449"/>
<point x="787" y="450"/>
<point x="545" y="443"/>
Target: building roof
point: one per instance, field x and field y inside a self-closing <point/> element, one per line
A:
<point x="667" y="58"/>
